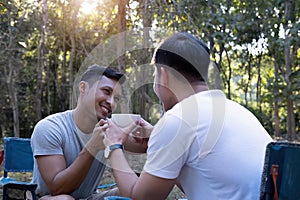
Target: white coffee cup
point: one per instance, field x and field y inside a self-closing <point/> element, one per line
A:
<point x="124" y="120"/>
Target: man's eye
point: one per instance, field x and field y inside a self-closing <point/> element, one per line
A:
<point x="106" y="91"/>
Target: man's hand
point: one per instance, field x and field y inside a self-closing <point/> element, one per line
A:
<point x="142" y="134"/>
<point x="145" y="129"/>
<point x="95" y="144"/>
<point x="116" y="135"/>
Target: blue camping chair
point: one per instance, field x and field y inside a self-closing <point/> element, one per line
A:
<point x="281" y="173"/>
<point x="18" y="157"/>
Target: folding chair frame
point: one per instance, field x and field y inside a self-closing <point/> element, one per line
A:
<point x="18" y="157"/>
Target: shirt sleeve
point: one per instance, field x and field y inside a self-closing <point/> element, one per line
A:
<point x="168" y="147"/>
<point x="46" y="138"/>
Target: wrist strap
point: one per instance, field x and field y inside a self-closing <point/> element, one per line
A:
<point x="116" y="146"/>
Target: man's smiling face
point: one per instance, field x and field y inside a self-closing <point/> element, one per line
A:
<point x="105" y="94"/>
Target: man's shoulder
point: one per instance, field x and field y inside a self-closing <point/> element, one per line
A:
<point x="55" y="120"/>
<point x="54" y="126"/>
<point x="58" y="116"/>
<point x="62" y="114"/>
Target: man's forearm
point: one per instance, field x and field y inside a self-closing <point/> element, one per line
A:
<point x="124" y="175"/>
<point x="68" y="180"/>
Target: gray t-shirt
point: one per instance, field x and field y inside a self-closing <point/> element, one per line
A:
<point x="58" y="134"/>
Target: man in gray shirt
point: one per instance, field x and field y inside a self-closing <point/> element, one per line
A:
<point x="67" y="146"/>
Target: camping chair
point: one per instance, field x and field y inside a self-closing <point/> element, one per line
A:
<point x="18" y="157"/>
<point x="281" y="173"/>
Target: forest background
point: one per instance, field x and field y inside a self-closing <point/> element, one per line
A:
<point x="44" y="43"/>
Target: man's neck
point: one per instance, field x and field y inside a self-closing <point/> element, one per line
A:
<point x="191" y="89"/>
<point x="199" y="87"/>
<point x="183" y="91"/>
<point x="83" y="122"/>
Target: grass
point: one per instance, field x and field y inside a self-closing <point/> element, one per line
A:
<point x="20" y="176"/>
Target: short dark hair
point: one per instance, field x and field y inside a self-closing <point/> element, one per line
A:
<point x="95" y="72"/>
<point x="186" y="54"/>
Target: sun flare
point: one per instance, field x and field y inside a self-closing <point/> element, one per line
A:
<point x="89" y="6"/>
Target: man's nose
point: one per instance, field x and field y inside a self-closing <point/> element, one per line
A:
<point x="110" y="100"/>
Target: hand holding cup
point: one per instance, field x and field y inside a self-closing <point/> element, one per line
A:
<point x="120" y="126"/>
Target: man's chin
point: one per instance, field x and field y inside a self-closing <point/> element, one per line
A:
<point x="99" y="117"/>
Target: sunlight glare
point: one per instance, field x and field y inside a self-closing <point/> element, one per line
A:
<point x="89" y="6"/>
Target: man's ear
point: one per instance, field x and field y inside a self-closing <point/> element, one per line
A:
<point x="164" y="76"/>
<point x="83" y="87"/>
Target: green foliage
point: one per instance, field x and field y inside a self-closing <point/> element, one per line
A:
<point x="246" y="40"/>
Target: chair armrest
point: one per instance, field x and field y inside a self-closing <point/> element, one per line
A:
<point x="12" y="183"/>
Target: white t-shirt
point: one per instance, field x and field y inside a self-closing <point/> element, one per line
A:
<point x="230" y="164"/>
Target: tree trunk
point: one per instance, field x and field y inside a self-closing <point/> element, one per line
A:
<point x="41" y="60"/>
<point x="276" y="105"/>
<point x="217" y="70"/>
<point x="63" y="67"/>
<point x="258" y="86"/>
<point x="121" y="34"/>
<point x="291" y="128"/>
<point x="14" y="99"/>
<point x="76" y="6"/>
<point x="121" y="48"/>
<point x="11" y="74"/>
<point x="229" y="76"/>
<point x="144" y="90"/>
<point x="12" y="90"/>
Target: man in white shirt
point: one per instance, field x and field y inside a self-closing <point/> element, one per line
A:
<point x="210" y="146"/>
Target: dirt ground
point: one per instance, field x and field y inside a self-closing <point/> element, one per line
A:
<point x="136" y="162"/>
